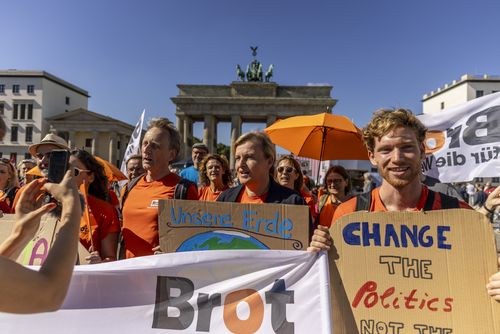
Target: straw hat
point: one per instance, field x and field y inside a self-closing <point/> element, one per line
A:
<point x="49" y="139"/>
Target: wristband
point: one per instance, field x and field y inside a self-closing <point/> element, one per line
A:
<point x="490" y="211"/>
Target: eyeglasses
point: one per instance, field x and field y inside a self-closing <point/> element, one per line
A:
<point x="330" y="181"/>
<point x="78" y="171"/>
<point x="288" y="169"/>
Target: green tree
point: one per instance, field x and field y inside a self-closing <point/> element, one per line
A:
<point x="223" y="150"/>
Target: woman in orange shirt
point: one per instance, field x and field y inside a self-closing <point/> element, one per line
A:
<point x="9" y="184"/>
<point x="338" y="186"/>
<point x="288" y="174"/>
<point x="215" y="177"/>
<point x="99" y="228"/>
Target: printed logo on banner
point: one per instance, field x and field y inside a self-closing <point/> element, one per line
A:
<point x="468" y="148"/>
<point x="278" y="297"/>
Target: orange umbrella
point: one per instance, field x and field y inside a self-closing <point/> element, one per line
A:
<point x="112" y="172"/>
<point x="322" y="137"/>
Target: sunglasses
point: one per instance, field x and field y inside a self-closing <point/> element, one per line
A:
<point x="287" y="169"/>
<point x="78" y="171"/>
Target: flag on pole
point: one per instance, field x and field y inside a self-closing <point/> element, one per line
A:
<point x="134" y="144"/>
<point x="463" y="142"/>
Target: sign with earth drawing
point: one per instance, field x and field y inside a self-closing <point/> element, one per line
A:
<point x="196" y="225"/>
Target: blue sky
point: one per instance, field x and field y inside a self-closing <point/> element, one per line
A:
<point x="130" y="55"/>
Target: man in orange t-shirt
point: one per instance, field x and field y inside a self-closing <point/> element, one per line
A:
<point x="395" y="142"/>
<point x="160" y="146"/>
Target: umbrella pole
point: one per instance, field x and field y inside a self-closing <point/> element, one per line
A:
<point x="323" y="139"/>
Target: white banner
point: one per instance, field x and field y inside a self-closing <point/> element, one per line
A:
<point x="464" y="141"/>
<point x="243" y="291"/>
<point x="134" y="144"/>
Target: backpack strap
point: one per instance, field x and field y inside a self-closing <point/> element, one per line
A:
<point x="129" y="187"/>
<point x="322" y="202"/>
<point x="447" y="202"/>
<point x="429" y="201"/>
<point x="363" y="201"/>
<point x="181" y="189"/>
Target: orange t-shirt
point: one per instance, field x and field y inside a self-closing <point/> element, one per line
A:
<point x="376" y="204"/>
<point x="327" y="211"/>
<point x="243" y="197"/>
<point x="103" y="220"/>
<point x="206" y="194"/>
<point x="140" y="213"/>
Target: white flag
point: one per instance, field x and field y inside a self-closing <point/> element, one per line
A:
<point x="134" y="144"/>
<point x="464" y="141"/>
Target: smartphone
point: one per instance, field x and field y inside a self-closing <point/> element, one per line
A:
<point x="58" y="165"/>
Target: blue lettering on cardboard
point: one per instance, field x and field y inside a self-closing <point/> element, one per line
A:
<point x="371" y="234"/>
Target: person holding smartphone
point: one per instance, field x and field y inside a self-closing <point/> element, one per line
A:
<point x="27" y="291"/>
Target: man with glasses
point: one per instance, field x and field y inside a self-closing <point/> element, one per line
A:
<point x="41" y="152"/>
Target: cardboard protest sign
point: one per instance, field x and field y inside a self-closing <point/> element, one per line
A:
<point x="413" y="272"/>
<point x="197" y="225"/>
<point x="36" y="250"/>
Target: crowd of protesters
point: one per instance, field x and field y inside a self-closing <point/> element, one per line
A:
<point x="394" y="139"/>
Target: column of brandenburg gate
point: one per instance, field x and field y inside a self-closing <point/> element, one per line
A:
<point x="243" y="102"/>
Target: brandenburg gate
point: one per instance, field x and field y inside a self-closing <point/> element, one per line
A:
<point x="253" y="100"/>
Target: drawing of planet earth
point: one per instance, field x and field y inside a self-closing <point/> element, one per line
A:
<point x="219" y="240"/>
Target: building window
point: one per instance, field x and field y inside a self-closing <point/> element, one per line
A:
<point x="23" y="111"/>
<point x="15" y="89"/>
<point x="479" y="93"/>
<point x="31" y="89"/>
<point x="15" y="111"/>
<point x="495" y="91"/>
<point x="2" y="89"/>
<point x="30" y="111"/>
<point x="29" y="134"/>
<point x="442" y="105"/>
<point x="2" y="108"/>
<point x="88" y="142"/>
<point x="118" y="144"/>
<point x="13" y="133"/>
<point x="67" y="100"/>
<point x="495" y="179"/>
<point x="27" y="156"/>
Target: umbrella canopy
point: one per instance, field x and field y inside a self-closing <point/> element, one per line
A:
<point x="111" y="171"/>
<point x="322" y="137"/>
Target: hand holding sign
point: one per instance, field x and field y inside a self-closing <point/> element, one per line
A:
<point x="321" y="239"/>
<point x="492" y="202"/>
<point x="493" y="286"/>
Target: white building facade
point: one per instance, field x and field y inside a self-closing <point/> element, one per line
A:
<point x="27" y="99"/>
<point x="467" y="88"/>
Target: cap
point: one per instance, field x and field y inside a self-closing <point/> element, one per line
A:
<point x="200" y="145"/>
